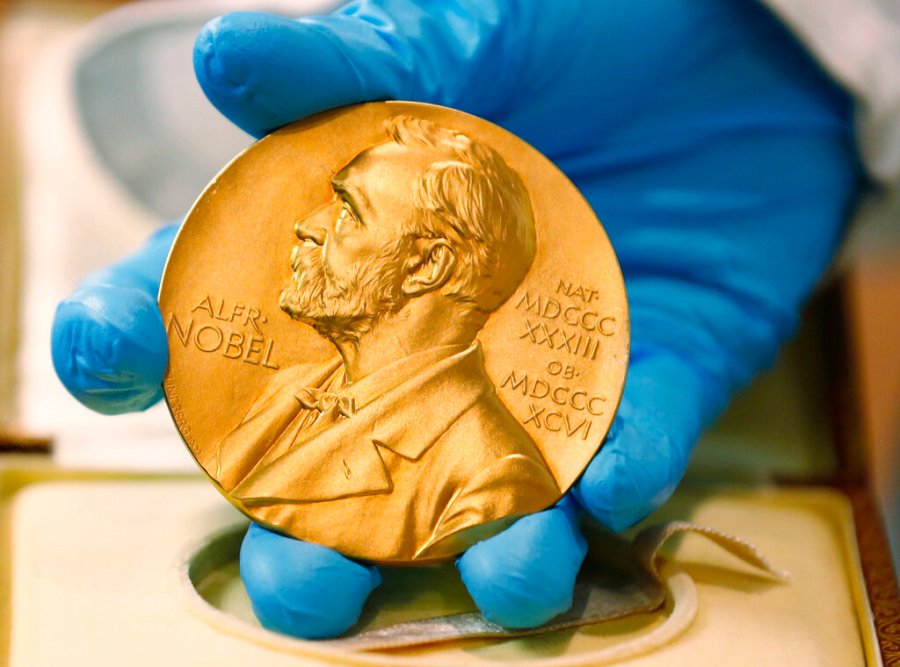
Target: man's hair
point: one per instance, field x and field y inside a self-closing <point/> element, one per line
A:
<point x="472" y="198"/>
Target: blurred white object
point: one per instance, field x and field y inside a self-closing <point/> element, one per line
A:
<point x="117" y="138"/>
<point x="858" y="43"/>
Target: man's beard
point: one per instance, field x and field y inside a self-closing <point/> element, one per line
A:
<point x="343" y="309"/>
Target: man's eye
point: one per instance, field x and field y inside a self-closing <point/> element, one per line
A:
<point x="347" y="215"/>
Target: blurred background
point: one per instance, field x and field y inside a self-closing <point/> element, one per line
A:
<point x="105" y="135"/>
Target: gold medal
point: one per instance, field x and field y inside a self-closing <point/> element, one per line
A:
<point x="393" y="329"/>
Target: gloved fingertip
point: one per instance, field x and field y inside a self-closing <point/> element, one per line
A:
<point x="216" y="65"/>
<point x="525" y="576"/>
<point x="254" y="68"/>
<point x="303" y="589"/>
<point x="635" y="472"/>
<point x="263" y="71"/>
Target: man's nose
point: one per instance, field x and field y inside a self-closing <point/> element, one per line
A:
<point x="315" y="226"/>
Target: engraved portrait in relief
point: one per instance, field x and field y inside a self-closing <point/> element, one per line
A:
<point x="427" y="233"/>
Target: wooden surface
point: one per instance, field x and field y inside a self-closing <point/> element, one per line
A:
<point x="873" y="312"/>
<point x="879" y="573"/>
<point x="10" y="242"/>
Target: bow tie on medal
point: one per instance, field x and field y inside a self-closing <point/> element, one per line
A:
<point x="522" y="268"/>
<point x="326" y="402"/>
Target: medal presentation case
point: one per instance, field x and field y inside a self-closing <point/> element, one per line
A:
<point x="98" y="569"/>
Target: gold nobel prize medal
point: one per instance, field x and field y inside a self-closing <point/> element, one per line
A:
<point x="393" y="328"/>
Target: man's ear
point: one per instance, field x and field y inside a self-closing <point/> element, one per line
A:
<point x="431" y="269"/>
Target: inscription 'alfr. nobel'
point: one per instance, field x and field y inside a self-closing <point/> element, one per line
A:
<point x="212" y="329"/>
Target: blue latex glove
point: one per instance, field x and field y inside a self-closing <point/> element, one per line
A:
<point x="718" y="156"/>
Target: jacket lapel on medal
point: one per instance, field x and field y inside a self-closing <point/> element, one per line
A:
<point x="344" y="460"/>
<point x="269" y="419"/>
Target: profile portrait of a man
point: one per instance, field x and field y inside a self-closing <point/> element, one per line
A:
<point x="427" y="234"/>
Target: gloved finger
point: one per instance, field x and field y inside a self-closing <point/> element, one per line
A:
<point x="303" y="589"/>
<point x="665" y="404"/>
<point x="263" y="71"/>
<point x="109" y="344"/>
<point x="525" y="576"/>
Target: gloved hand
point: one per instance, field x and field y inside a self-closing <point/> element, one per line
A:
<point x="718" y="156"/>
